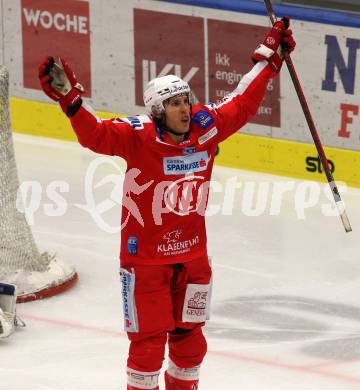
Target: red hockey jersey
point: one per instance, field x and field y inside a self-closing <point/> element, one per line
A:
<point x="166" y="184"/>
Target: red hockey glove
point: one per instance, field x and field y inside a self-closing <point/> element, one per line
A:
<point x="287" y="42"/>
<point x="59" y="83"/>
<point x="278" y="39"/>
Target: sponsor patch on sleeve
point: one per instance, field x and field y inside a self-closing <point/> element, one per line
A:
<point x="203" y="119"/>
<point x="211" y="133"/>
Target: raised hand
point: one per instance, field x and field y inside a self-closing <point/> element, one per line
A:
<point x="59" y="82"/>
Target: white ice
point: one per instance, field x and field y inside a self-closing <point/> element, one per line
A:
<point x="285" y="302"/>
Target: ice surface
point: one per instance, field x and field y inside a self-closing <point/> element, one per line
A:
<point x="285" y="302"/>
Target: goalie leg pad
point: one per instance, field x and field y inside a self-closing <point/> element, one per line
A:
<point x="7" y="309"/>
<point x="7" y="324"/>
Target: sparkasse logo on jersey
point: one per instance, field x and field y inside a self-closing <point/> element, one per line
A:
<point x="58" y="28"/>
<point x="181" y="165"/>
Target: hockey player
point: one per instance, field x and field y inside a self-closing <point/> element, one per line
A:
<point x="165" y="271"/>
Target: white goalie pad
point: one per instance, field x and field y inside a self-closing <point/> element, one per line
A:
<point x="36" y="275"/>
<point x="7" y="309"/>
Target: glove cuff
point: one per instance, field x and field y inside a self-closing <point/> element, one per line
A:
<point x="75" y="108"/>
<point x="71" y="102"/>
<point x="262" y="52"/>
<point x="274" y="58"/>
<point x="276" y="62"/>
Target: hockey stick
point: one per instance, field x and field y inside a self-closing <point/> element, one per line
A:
<point x="339" y="203"/>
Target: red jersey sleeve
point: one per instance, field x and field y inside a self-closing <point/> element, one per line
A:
<point x="242" y="104"/>
<point x="106" y="136"/>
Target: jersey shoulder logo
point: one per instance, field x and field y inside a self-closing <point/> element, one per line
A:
<point x="203" y="119"/>
<point x="211" y="106"/>
<point x="136" y="122"/>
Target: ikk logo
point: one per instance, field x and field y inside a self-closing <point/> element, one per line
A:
<point x="59" y="28"/>
<point x="226" y="66"/>
<point x="185" y="61"/>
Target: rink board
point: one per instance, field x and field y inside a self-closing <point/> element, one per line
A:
<point x="115" y="64"/>
<point x="262" y="154"/>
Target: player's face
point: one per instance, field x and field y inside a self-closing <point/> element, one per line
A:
<point x="177" y="113"/>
